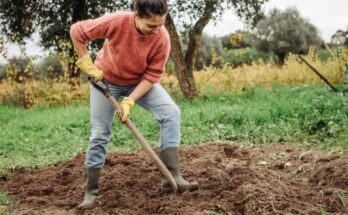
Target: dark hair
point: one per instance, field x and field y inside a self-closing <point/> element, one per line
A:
<point x="147" y="8"/>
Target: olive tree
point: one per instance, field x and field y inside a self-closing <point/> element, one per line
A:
<point x="52" y="20"/>
<point x="189" y="18"/>
<point x="286" y="31"/>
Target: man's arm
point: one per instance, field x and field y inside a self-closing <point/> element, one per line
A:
<point x="80" y="48"/>
<point x="141" y="89"/>
<point x="84" y="61"/>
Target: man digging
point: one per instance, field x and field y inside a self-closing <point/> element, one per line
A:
<point x="132" y="62"/>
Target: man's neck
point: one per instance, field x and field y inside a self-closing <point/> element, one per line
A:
<point x="137" y="27"/>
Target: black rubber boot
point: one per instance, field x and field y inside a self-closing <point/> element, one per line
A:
<point x="170" y="158"/>
<point x="91" y="184"/>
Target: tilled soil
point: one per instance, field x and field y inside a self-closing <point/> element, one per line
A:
<point x="234" y="179"/>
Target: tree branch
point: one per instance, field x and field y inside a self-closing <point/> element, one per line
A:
<point x="196" y="33"/>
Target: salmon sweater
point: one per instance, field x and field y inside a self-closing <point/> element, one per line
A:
<point x="127" y="57"/>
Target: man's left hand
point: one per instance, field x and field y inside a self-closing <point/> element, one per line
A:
<point x="126" y="106"/>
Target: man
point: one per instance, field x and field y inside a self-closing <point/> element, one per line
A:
<point x="132" y="62"/>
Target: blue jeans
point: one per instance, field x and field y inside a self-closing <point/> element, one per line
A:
<point x="157" y="101"/>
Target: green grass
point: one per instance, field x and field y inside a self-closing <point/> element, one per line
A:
<point x="302" y="114"/>
<point x="5" y="203"/>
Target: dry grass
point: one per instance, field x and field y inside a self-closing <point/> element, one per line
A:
<point x="31" y="93"/>
<point x="248" y="76"/>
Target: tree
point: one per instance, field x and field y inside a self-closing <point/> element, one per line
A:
<point x="286" y="31"/>
<point x="210" y="46"/>
<point x="192" y="17"/>
<point x="340" y="37"/>
<point x="238" y="39"/>
<point x="53" y="18"/>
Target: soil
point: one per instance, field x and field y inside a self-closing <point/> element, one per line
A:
<point x="234" y="179"/>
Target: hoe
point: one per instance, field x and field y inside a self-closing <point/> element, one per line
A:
<point x="103" y="88"/>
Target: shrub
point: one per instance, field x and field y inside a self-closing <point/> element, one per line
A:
<point x="41" y="93"/>
<point x="210" y="47"/>
<point x="51" y="67"/>
<point x="2" y="71"/>
<point x="323" y="54"/>
<point x="245" y="56"/>
<point x="19" y="69"/>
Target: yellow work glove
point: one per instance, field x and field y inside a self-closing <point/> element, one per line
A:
<point x="126" y="105"/>
<point x="86" y="65"/>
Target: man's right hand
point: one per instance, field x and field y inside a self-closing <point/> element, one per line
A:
<point x="86" y="65"/>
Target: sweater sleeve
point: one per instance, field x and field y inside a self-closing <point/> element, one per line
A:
<point x="91" y="29"/>
<point x="156" y="65"/>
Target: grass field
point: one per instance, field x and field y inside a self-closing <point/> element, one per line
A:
<point x="306" y="114"/>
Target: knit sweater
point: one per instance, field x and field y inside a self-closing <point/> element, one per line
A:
<point x="127" y="57"/>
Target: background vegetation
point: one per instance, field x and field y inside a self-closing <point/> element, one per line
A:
<point x="244" y="89"/>
<point x="304" y="114"/>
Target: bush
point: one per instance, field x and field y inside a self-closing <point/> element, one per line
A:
<point x="238" y="57"/>
<point x="51" y="67"/>
<point x="20" y="69"/>
<point x="210" y="46"/>
<point x="2" y="71"/>
<point x="284" y="32"/>
<point x="323" y="54"/>
<point x="45" y="93"/>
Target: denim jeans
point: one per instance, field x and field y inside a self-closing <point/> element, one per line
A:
<point x="157" y="101"/>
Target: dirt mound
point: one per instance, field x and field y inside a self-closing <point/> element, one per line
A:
<point x="234" y="179"/>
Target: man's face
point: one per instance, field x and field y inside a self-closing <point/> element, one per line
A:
<point x="149" y="25"/>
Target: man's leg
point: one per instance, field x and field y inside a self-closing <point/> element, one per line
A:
<point x="164" y="109"/>
<point x="101" y="113"/>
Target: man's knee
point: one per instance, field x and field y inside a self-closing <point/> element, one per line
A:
<point x="100" y="131"/>
<point x="173" y="112"/>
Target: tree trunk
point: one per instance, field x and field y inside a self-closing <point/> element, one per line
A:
<point x="79" y="13"/>
<point x="185" y="66"/>
<point x="185" y="76"/>
<point x="281" y="57"/>
<point x="195" y="41"/>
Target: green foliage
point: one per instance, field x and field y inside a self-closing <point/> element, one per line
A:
<point x="5" y="203"/>
<point x="2" y="71"/>
<point x="209" y="46"/>
<point x="42" y="136"/>
<point x="340" y="38"/>
<point x="52" y="19"/>
<point x="51" y="67"/>
<point x="189" y="13"/>
<point x="286" y="31"/>
<point x="302" y="114"/>
<point x="17" y="16"/>
<point x="323" y="54"/>
<point x="41" y="93"/>
<point x="20" y="69"/>
<point x="232" y="49"/>
<point x="239" y="39"/>
<point x="247" y="56"/>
